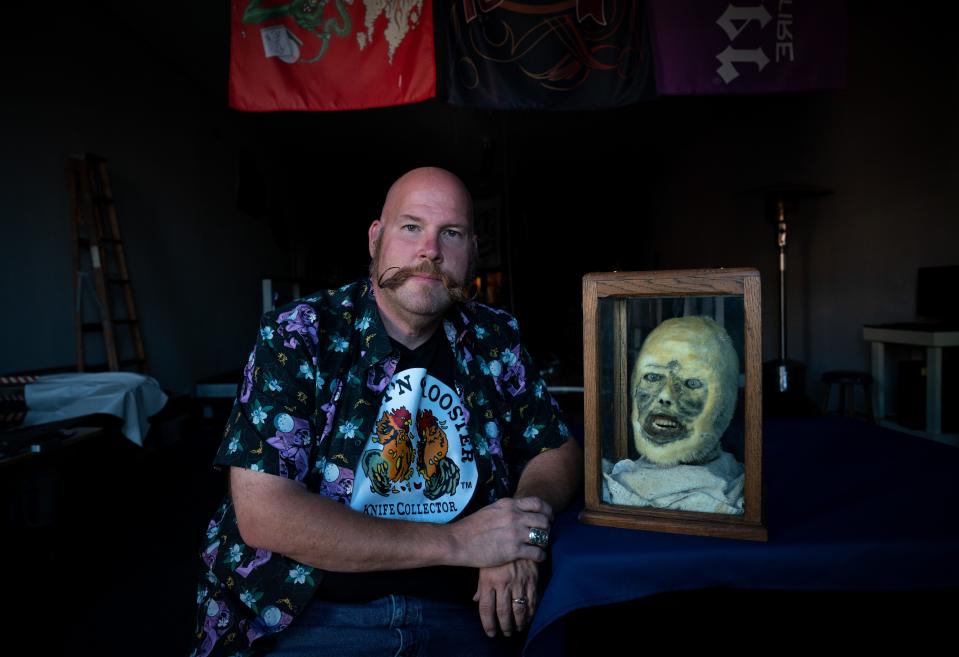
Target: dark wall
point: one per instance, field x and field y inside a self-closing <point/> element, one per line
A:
<point x="665" y="184"/>
<point x="87" y="78"/>
<point x="885" y="146"/>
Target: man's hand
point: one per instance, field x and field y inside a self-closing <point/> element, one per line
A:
<point x="498" y="587"/>
<point x="553" y="475"/>
<point x="498" y="534"/>
<point x="502" y="583"/>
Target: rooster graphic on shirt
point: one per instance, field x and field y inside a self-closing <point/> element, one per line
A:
<point x="393" y="465"/>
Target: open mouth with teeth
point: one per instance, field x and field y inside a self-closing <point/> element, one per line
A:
<point x="664" y="428"/>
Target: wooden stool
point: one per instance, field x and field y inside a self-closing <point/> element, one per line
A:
<point x="847" y="381"/>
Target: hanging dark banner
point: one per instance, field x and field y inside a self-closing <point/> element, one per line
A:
<point x="330" y="54"/>
<point x="544" y="54"/>
<point x="756" y="46"/>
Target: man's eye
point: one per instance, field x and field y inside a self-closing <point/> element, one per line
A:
<point x="694" y="383"/>
<point x="452" y="232"/>
<point x="410" y="227"/>
<point x="653" y="377"/>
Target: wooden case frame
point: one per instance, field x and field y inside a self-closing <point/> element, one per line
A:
<point x="624" y="286"/>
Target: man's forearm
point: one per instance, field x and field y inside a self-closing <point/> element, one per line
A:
<point x="283" y="516"/>
<point x="554" y="476"/>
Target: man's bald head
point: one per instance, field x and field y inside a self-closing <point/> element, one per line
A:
<point x="432" y="178"/>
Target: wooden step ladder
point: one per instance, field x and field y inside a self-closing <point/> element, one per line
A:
<point x="99" y="259"/>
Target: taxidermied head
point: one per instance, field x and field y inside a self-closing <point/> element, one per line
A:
<point x="684" y="387"/>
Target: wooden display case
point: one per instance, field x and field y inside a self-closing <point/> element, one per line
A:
<point x="629" y="420"/>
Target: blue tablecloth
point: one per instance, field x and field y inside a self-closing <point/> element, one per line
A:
<point x="850" y="507"/>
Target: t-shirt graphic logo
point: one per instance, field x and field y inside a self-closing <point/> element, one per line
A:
<point x="441" y="474"/>
<point x="418" y="460"/>
<point x="394" y="463"/>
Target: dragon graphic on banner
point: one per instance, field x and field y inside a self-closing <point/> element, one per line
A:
<point x="331" y="54"/>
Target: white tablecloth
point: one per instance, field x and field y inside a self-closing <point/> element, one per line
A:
<point x="129" y="396"/>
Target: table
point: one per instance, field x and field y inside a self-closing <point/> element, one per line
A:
<point x="16" y="446"/>
<point x="934" y="341"/>
<point x="129" y="396"/>
<point x="851" y="507"/>
<point x="31" y="459"/>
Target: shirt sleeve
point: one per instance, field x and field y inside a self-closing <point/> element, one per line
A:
<point x="536" y="423"/>
<point x="271" y="427"/>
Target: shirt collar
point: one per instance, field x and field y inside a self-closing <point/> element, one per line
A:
<point x="371" y="338"/>
<point x="374" y="342"/>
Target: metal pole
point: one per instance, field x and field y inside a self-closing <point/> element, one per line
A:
<point x="780" y="206"/>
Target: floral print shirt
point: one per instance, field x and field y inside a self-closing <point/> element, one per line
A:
<point x="306" y="405"/>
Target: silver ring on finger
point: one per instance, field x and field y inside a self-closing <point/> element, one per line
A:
<point x="521" y="602"/>
<point x="538" y="537"/>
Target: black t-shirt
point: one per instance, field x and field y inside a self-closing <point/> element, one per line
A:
<point x="417" y="466"/>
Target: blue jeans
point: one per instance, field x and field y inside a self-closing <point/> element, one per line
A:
<point x="397" y="626"/>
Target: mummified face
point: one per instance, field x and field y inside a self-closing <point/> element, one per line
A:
<point x="684" y="387"/>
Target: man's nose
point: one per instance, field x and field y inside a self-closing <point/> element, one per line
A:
<point x="430" y="247"/>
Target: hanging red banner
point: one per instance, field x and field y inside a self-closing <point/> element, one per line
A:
<point x="330" y="54"/>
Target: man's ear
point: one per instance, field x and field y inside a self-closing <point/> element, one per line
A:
<point x="374" y="232"/>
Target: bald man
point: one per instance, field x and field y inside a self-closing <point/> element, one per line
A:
<point x="395" y="460"/>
